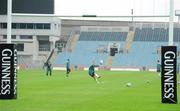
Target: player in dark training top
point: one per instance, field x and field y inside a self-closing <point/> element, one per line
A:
<point x="68" y="69"/>
<point x="49" y="69"/>
<point x="92" y="72"/>
<point x="158" y="66"/>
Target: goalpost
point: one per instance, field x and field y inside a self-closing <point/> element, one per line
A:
<point x="171" y="22"/>
<point x="9" y="20"/>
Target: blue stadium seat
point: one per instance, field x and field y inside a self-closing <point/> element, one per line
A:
<point x="103" y="36"/>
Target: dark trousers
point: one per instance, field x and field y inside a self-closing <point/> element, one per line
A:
<point x="48" y="72"/>
<point x="67" y="72"/>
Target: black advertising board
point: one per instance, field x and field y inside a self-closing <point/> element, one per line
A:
<point x="8" y="71"/>
<point x="168" y="74"/>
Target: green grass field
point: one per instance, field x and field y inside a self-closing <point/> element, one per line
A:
<point x="38" y="92"/>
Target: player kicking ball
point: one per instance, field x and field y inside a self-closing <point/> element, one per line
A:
<point x="93" y="74"/>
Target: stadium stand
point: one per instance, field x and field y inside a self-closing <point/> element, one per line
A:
<point x="141" y="47"/>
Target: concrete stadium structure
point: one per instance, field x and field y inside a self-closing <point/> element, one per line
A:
<point x="34" y="36"/>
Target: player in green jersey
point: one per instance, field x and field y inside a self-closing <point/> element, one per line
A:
<point x="92" y="72"/>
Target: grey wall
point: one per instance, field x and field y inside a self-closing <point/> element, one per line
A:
<point x="28" y="6"/>
<point x="3" y="7"/>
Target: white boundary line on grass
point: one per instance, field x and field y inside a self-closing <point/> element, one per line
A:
<point x="111" y="69"/>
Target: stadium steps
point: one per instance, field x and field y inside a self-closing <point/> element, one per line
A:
<point x="73" y="42"/>
<point x="110" y="61"/>
<point x="54" y="57"/>
<point x="43" y="57"/>
<point x="129" y="40"/>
